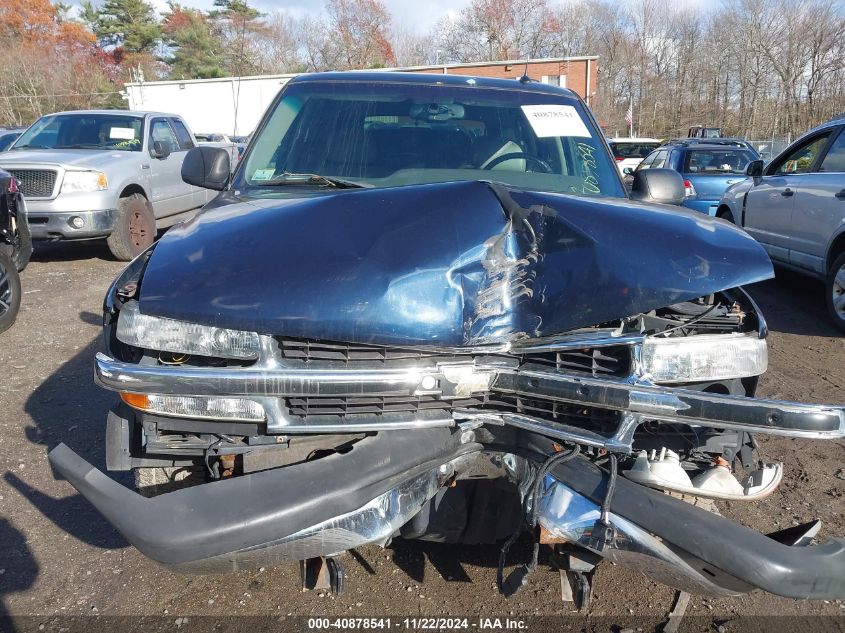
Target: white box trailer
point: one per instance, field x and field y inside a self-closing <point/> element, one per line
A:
<point x="230" y="105"/>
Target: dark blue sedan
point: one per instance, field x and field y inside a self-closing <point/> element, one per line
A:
<point x="708" y="168"/>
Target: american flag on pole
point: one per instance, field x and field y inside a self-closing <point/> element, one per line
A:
<point x="629" y="115"/>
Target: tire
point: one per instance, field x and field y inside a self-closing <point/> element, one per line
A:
<point x="150" y="482"/>
<point x="134" y="228"/>
<point x="726" y="215"/>
<point x="10" y="292"/>
<point x="23" y="252"/>
<point x="835" y="291"/>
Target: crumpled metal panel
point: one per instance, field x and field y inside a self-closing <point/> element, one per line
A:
<point x="375" y="522"/>
<point x="461" y="263"/>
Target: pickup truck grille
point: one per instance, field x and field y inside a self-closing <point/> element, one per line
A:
<point x="35" y="183"/>
<point x="340" y="408"/>
<point x="595" y="361"/>
<point x="305" y="351"/>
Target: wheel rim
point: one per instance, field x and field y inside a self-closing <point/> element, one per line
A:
<point x="5" y="290"/>
<point x="138" y="232"/>
<point x="838" y="292"/>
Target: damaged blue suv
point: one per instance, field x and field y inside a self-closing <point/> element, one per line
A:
<point x="424" y="307"/>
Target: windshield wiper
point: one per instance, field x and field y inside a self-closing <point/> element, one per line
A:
<point x="31" y="147"/>
<point x="81" y="146"/>
<point x="310" y="179"/>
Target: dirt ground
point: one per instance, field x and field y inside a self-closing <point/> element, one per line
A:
<point x="59" y="558"/>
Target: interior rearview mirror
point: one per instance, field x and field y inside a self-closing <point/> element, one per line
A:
<point x="664" y="186"/>
<point x="206" y="167"/>
<point x="161" y="149"/>
<point x="627" y="170"/>
<point x="754" y="169"/>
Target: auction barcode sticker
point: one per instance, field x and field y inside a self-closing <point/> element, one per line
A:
<point x="555" y="120"/>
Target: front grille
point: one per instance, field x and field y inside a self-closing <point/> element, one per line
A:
<point x="305" y="351"/>
<point x="424" y="406"/>
<point x="35" y="183"/>
<point x="375" y="405"/>
<point x="596" y="361"/>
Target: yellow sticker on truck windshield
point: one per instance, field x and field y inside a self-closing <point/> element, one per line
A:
<point x="555" y="120"/>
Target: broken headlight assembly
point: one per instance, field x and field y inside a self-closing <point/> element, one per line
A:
<point x="182" y="337"/>
<point x="703" y="357"/>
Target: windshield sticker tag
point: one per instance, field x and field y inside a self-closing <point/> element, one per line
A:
<point x="122" y="133"/>
<point x="555" y="120"/>
<point x="263" y="174"/>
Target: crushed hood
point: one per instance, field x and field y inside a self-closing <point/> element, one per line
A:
<point x="449" y="264"/>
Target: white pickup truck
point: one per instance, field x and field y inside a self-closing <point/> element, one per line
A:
<point x="112" y="174"/>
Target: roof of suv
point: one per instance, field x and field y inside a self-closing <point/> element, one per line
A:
<point x="429" y="79"/>
<point x="118" y="112"/>
<point x="708" y="142"/>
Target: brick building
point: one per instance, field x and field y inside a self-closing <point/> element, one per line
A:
<point x="579" y="74"/>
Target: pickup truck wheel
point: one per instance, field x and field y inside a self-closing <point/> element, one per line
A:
<point x="10" y="292"/>
<point x="134" y="229"/>
<point x="836" y="291"/>
<point x="150" y="482"/>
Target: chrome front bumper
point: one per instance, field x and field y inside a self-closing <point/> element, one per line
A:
<point x="637" y="401"/>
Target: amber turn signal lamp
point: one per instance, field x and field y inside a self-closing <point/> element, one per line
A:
<point x="137" y="400"/>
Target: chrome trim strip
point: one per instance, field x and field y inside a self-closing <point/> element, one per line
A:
<point x="252" y="381"/>
<point x="637" y="401"/>
<point x="684" y="406"/>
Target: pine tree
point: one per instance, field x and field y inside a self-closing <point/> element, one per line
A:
<point x="128" y="24"/>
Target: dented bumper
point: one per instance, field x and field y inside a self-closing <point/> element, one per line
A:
<point x="307" y="510"/>
<point x="268" y="384"/>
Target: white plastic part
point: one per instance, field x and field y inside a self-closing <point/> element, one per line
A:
<point x="664" y="472"/>
<point x="703" y="357"/>
<point x="718" y="480"/>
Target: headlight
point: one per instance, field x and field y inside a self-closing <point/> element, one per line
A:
<point x="703" y="357"/>
<point x="84" y="181"/>
<point x="237" y="409"/>
<point x="170" y="335"/>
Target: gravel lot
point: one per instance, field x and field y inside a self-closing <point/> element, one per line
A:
<point x="58" y="557"/>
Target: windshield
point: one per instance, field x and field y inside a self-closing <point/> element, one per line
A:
<point x="733" y="161"/>
<point x="391" y="134"/>
<point x="621" y="151"/>
<point x="84" y="131"/>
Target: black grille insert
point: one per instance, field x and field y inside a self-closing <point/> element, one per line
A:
<point x="383" y="408"/>
<point x="345" y="353"/>
<point x="596" y="361"/>
<point x="35" y="183"/>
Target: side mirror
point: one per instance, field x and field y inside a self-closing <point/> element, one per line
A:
<point x="206" y="167"/>
<point x="754" y="169"/>
<point x="663" y="186"/>
<point x="627" y="171"/>
<point x="160" y="150"/>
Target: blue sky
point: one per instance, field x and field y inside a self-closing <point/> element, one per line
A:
<point x="412" y="15"/>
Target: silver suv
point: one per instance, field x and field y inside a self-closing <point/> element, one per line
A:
<point x="795" y="208"/>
